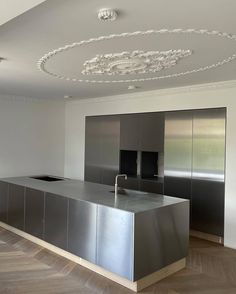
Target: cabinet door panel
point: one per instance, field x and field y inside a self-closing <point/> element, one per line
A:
<point x="93" y="149"/>
<point x="3" y="201"/>
<point x="16" y="206"/>
<point x="152" y="132"/>
<point x="82" y="229"/>
<point x="110" y="135"/>
<point x="208" y="171"/>
<point x="151" y="186"/>
<point x="130" y="183"/>
<point x="115" y="241"/>
<point x="178" y="154"/>
<point x="102" y="141"/>
<point x="208" y="207"/>
<point x="34" y="212"/>
<point x="129" y="132"/>
<point x="56" y="208"/>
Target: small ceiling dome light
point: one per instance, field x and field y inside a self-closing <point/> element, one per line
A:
<point x="107" y="14"/>
<point x="67" y="96"/>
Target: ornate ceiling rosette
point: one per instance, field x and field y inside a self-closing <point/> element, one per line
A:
<point x="135" y="62"/>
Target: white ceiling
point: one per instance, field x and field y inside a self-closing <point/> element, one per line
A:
<point x="56" y="23"/>
<point x="12" y="8"/>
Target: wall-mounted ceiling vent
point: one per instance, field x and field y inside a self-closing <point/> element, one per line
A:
<point x="107" y="14"/>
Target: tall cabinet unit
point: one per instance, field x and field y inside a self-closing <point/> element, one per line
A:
<point x="132" y="144"/>
<point x="195" y="164"/>
<point x="208" y="167"/>
<point x="102" y="142"/>
<point x="143" y="135"/>
<point x="178" y="154"/>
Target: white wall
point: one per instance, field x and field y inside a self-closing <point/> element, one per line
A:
<point x="32" y="134"/>
<point x="204" y="96"/>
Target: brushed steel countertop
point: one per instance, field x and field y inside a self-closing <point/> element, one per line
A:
<point x="134" y="202"/>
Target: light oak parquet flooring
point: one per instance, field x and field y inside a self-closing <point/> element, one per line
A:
<point x="27" y="268"/>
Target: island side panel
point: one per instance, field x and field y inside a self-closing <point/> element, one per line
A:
<point x="34" y="212"/>
<point x="161" y="237"/>
<point x="16" y="202"/>
<point x="82" y="229"/>
<point x="115" y="241"/>
<point x="3" y="201"/>
<point x="56" y="220"/>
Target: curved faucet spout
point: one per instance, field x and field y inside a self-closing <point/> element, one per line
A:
<point x="116" y="182"/>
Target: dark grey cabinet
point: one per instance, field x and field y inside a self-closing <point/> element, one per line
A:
<point x="152" y="132"/>
<point x="16" y="206"/>
<point x="208" y="206"/>
<point x="142" y="131"/>
<point x="82" y="229"/>
<point x="56" y="214"/>
<point x="34" y="212"/>
<point x="151" y="186"/>
<point x="131" y="183"/>
<point x="130" y="132"/>
<point x="102" y="141"/>
<point x="109" y="142"/>
<point x="3" y="201"/>
<point x="93" y="150"/>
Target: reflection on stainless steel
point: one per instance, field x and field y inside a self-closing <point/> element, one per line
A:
<point x="102" y="149"/>
<point x="142" y="234"/>
<point x="136" y="245"/>
<point x="178" y="154"/>
<point x="161" y="237"/>
<point x="208" y="171"/>
<point x="82" y="229"/>
<point x="56" y="216"/>
<point x="115" y="241"/>
<point x="209" y="144"/>
<point x="195" y="164"/>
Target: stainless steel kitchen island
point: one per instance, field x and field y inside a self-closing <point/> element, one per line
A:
<point x="134" y="239"/>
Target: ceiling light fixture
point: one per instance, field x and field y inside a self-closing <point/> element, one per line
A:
<point x="107" y="14"/>
<point x="67" y="96"/>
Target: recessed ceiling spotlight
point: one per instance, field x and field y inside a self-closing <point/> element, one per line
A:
<point x="132" y="87"/>
<point x="107" y="14"/>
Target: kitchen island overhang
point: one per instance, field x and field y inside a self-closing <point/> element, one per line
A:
<point x="135" y="239"/>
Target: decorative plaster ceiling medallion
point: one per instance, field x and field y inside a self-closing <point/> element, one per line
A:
<point x="135" y="62"/>
<point x="43" y="61"/>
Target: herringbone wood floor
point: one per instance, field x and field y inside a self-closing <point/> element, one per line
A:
<point x="26" y="268"/>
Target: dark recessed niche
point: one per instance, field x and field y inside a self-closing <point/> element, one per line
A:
<point x="149" y="165"/>
<point x="128" y="162"/>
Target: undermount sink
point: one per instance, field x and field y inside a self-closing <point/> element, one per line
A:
<point x="120" y="192"/>
<point x="47" y="178"/>
<point x="129" y="192"/>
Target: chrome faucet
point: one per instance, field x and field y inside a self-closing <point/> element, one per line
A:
<point x="116" y="182"/>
